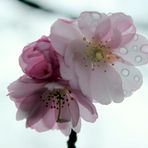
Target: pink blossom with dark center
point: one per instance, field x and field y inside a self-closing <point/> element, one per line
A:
<point x="39" y="60"/>
<point x="99" y="54"/>
<point x="51" y="105"/>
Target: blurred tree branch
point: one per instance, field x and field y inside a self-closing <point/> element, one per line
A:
<point x="48" y="10"/>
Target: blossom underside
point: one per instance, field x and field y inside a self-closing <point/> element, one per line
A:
<point x="56" y="99"/>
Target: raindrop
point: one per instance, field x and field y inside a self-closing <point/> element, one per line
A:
<point x="137" y="78"/>
<point x="135" y="47"/>
<point x="123" y="51"/>
<point x="125" y="72"/>
<point x="138" y="59"/>
<point x="144" y="48"/>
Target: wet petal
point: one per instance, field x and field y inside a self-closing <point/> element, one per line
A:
<point x="136" y="51"/>
<point x="88" y="21"/>
<point x="131" y="77"/>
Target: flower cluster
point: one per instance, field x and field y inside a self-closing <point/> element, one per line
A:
<point x="82" y="60"/>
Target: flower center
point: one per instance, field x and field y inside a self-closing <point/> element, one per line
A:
<point x="57" y="99"/>
<point x="96" y="52"/>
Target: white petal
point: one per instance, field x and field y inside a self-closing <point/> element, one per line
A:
<point x="88" y="21"/>
<point x="131" y="77"/>
<point x="136" y="51"/>
<point x="62" y="33"/>
<point x="106" y="85"/>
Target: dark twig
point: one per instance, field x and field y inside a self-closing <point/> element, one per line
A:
<point x="72" y="139"/>
<point x="35" y="5"/>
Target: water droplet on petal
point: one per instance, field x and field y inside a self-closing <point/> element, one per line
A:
<point x="135" y="47"/>
<point x="125" y="72"/>
<point x="138" y="59"/>
<point x="137" y="78"/>
<point x="123" y="51"/>
<point x="144" y="48"/>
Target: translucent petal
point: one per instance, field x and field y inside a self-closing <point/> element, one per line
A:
<point x="74" y="110"/>
<point x="106" y="85"/>
<point x="135" y="52"/>
<point x="88" y="22"/>
<point x="131" y="77"/>
<point x="62" y="33"/>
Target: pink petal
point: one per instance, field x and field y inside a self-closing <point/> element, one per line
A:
<point x="65" y="128"/>
<point x="88" y="22"/>
<point x="74" y="110"/>
<point x="135" y="52"/>
<point x="87" y="109"/>
<point x="33" y="108"/>
<point x="63" y="114"/>
<point x="23" y="87"/>
<point x="103" y="28"/>
<point x="131" y="77"/>
<point x="78" y="126"/>
<point x="40" y="126"/>
<point x="83" y="75"/>
<point x="124" y="24"/>
<point x="106" y="86"/>
<point x="67" y="73"/>
<point x="115" y="40"/>
<point x="62" y="33"/>
<point x="49" y="118"/>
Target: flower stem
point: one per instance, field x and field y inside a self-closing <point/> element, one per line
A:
<point x="72" y="139"/>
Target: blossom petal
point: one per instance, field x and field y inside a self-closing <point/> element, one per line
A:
<point x="49" y="118"/>
<point x="103" y="29"/>
<point x="78" y="127"/>
<point x="135" y="52"/>
<point x="65" y="128"/>
<point x="74" y="110"/>
<point x="40" y="126"/>
<point x="68" y="73"/>
<point x="62" y="33"/>
<point x="88" y="21"/>
<point x="63" y="114"/>
<point x="33" y="109"/>
<point x="124" y="24"/>
<point x="106" y="85"/>
<point x="83" y="75"/>
<point x="23" y="87"/>
<point x="115" y="40"/>
<point x="87" y="109"/>
<point x="131" y="77"/>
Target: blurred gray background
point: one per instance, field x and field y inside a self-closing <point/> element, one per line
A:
<point x="122" y="125"/>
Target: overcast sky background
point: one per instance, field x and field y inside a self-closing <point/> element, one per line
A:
<point x="122" y="125"/>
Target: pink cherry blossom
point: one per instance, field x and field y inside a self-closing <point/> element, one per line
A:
<point x="51" y="105"/>
<point x="99" y="52"/>
<point x="39" y="60"/>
